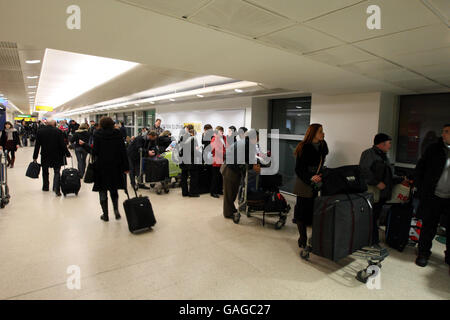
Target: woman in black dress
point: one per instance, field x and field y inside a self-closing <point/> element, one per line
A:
<point x="310" y="157"/>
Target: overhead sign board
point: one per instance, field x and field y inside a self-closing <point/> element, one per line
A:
<point x="44" y="108"/>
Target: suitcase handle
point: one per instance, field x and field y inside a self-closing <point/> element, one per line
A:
<point x="126" y="187"/>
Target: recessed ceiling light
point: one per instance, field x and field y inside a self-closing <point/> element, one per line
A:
<point x="200" y="96"/>
<point x="33" y="92"/>
<point x="33" y="77"/>
<point x="32" y="87"/>
<point x="172" y="100"/>
<point x="152" y="102"/>
<point x="137" y="104"/>
<point x="239" y="90"/>
<point x="33" y="61"/>
<point x="299" y="107"/>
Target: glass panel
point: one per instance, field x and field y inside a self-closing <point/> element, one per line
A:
<point x="120" y="117"/>
<point x="421" y="120"/>
<point x="129" y="118"/>
<point x="140" y="119"/>
<point x="291" y="116"/>
<point x="149" y="118"/>
<point x="287" y="164"/>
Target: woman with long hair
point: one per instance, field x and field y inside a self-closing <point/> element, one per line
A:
<point x="310" y="158"/>
<point x="10" y="141"/>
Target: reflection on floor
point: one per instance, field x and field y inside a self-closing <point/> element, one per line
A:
<point x="192" y="253"/>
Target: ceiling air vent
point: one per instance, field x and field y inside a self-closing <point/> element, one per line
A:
<point x="440" y="8"/>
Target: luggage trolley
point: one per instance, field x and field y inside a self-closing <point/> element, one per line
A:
<point x="159" y="180"/>
<point x="258" y="207"/>
<point x="4" y="190"/>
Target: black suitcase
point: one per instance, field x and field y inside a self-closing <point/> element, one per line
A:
<point x="139" y="213"/>
<point x="70" y="181"/>
<point x="398" y="225"/>
<point x="343" y="180"/>
<point x="156" y="169"/>
<point x="342" y="224"/>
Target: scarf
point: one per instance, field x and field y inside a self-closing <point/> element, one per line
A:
<point x="10" y="133"/>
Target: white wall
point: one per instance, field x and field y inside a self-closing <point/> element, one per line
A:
<point x="350" y="122"/>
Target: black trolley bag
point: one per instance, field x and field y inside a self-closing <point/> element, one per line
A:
<point x="70" y="180"/>
<point x="139" y="212"/>
<point x="342" y="224"/>
<point x="398" y="225"/>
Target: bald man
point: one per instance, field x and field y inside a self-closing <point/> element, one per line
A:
<point x="50" y="141"/>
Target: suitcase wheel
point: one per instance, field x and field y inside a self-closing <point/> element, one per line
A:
<point x="159" y="191"/>
<point x="237" y="218"/>
<point x="280" y="224"/>
<point x="167" y="190"/>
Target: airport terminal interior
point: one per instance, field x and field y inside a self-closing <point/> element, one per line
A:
<point x="357" y="67"/>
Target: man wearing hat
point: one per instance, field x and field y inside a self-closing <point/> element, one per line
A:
<point x="378" y="172"/>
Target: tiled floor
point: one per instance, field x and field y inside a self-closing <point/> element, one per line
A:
<point x="192" y="253"/>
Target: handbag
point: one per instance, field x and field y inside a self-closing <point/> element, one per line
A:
<point x="33" y="170"/>
<point x="89" y="175"/>
<point x="304" y="190"/>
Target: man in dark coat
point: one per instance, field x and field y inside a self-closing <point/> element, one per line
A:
<point x="50" y="141"/>
<point x="432" y="176"/>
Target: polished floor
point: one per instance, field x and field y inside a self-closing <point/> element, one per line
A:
<point x="192" y="253"/>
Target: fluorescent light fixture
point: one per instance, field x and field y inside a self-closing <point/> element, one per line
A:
<point x="32" y="92"/>
<point x="32" y="87"/>
<point x="207" y="90"/>
<point x="81" y="74"/>
<point x="137" y="104"/>
<point x="32" y="77"/>
<point x="173" y="100"/>
<point x="299" y="107"/>
<point x="239" y="90"/>
<point x="152" y="102"/>
<point x="200" y="95"/>
<point x="33" y="61"/>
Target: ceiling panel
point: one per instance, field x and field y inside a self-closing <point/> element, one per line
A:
<point x="426" y="38"/>
<point x="176" y="8"/>
<point x="417" y="84"/>
<point x="434" y="70"/>
<point x="346" y="54"/>
<point x="239" y="17"/>
<point x="301" y="39"/>
<point x="441" y="8"/>
<point x="304" y="9"/>
<point x="436" y="56"/>
<point x="350" y="24"/>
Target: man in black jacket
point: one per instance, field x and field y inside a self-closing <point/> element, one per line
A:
<point x="50" y="141"/>
<point x="377" y="171"/>
<point x="432" y="175"/>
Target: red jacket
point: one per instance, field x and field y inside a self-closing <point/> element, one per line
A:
<point x="219" y="146"/>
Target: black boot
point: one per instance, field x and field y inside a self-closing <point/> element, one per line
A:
<point x="13" y="159"/>
<point x="115" y="202"/>
<point x="8" y="159"/>
<point x="302" y="241"/>
<point x="104" y="216"/>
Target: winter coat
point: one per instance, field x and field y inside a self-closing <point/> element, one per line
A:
<point x="218" y="150"/>
<point x="50" y="141"/>
<point x="307" y="165"/>
<point x="429" y="169"/>
<point x="110" y="160"/>
<point x="12" y="145"/>
<point x="163" y="143"/>
<point x="82" y="135"/>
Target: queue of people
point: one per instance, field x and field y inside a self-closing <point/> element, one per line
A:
<point x="218" y="152"/>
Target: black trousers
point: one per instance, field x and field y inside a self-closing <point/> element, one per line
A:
<point x="104" y="195"/>
<point x="135" y="170"/>
<point x="189" y="170"/>
<point x="56" y="178"/>
<point x="216" y="181"/>
<point x="436" y="207"/>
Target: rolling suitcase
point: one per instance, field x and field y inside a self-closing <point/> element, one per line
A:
<point x="342" y="224"/>
<point x="399" y="225"/>
<point x="139" y="213"/>
<point x="70" y="181"/>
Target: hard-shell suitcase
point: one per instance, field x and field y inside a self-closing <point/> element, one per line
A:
<point x="342" y="224"/>
<point x="156" y="169"/>
<point x="70" y="181"/>
<point x="398" y="225"/>
<point x="139" y="213"/>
